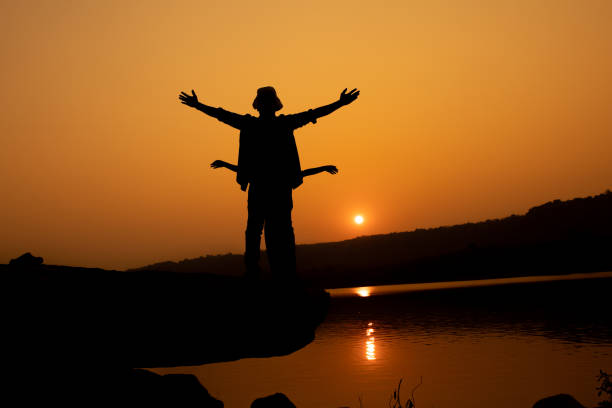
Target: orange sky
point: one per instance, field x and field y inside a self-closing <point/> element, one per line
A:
<point x="468" y="110"/>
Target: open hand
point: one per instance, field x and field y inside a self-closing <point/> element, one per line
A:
<point x="346" y="98"/>
<point x="330" y="169"/>
<point x="217" y="163"/>
<point x="189" y="100"/>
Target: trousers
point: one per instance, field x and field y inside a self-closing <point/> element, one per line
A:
<point x="269" y="212"/>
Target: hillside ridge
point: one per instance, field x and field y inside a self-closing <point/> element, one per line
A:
<point x="555" y="237"/>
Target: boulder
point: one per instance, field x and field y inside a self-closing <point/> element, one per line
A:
<point x="277" y="400"/>
<point x="92" y="387"/>
<point x="558" y="401"/>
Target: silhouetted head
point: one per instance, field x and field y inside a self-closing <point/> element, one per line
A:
<point x="266" y="100"/>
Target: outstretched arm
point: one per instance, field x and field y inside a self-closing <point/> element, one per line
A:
<point x="220" y="163"/>
<point x="314" y="114"/>
<point x="229" y="118"/>
<point x="316" y="170"/>
<point x="345" y="99"/>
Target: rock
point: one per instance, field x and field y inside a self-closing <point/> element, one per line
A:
<point x="82" y="336"/>
<point x="144" y="388"/>
<point x="77" y="386"/>
<point x="64" y="316"/>
<point x="26" y="260"/>
<point x="558" y="401"/>
<point x="277" y="400"/>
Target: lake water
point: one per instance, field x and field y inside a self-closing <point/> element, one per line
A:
<point x="505" y="344"/>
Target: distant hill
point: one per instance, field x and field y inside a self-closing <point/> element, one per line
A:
<point x="557" y="237"/>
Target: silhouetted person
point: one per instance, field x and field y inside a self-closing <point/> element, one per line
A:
<point x="269" y="164"/>
<point x="259" y="224"/>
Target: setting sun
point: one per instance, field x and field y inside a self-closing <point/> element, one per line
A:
<point x="358" y="219"/>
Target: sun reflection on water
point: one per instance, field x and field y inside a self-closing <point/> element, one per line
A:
<point x="370" y="352"/>
<point x="363" y="292"/>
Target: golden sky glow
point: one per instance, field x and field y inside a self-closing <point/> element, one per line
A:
<point x="468" y="110"/>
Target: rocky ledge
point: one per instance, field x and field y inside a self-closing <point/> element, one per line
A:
<point x="73" y="323"/>
<point x="152" y="319"/>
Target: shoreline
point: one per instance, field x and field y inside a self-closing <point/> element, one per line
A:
<point x="385" y="289"/>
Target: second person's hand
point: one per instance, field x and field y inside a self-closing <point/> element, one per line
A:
<point x="216" y="164"/>
<point x="330" y="169"/>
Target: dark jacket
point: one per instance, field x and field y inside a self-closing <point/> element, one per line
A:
<point x="267" y="152"/>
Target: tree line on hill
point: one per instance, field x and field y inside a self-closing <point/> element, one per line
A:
<point x="558" y="237"/>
